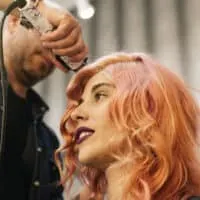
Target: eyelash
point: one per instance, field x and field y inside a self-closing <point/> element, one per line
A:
<point x="98" y="96"/>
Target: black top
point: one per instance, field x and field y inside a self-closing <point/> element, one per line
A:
<point x="28" y="170"/>
<point x="18" y="120"/>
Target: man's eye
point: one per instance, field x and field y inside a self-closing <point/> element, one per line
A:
<point x="99" y="96"/>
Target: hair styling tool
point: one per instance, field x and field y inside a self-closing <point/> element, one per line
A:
<point x="32" y="18"/>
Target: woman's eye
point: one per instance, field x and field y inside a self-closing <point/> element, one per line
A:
<point x="99" y="96"/>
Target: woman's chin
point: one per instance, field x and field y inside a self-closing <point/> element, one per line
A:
<point x="84" y="159"/>
<point x="99" y="162"/>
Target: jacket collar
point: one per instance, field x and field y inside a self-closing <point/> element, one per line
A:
<point x="38" y="106"/>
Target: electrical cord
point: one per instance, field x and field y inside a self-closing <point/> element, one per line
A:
<point x="3" y="75"/>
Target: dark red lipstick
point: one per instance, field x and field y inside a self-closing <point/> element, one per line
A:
<point x="82" y="133"/>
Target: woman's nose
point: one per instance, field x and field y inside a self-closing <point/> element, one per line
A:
<point x="79" y="114"/>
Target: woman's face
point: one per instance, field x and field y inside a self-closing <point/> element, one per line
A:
<point x="94" y="129"/>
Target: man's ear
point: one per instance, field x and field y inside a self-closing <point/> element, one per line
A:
<point x="12" y="22"/>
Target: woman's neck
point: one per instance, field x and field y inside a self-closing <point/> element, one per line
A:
<point x="117" y="177"/>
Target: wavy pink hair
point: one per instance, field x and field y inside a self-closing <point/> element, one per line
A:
<point x="162" y="119"/>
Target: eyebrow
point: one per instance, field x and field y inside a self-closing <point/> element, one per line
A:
<point x="95" y="87"/>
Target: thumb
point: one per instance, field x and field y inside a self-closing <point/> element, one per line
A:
<point x="53" y="13"/>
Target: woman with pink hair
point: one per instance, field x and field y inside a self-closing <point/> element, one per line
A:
<point x="131" y="129"/>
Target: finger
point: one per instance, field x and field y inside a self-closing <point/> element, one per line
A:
<point x="53" y="14"/>
<point x="68" y="41"/>
<point x="63" y="30"/>
<point x="71" y="51"/>
<point x="56" y="63"/>
<point x="80" y="56"/>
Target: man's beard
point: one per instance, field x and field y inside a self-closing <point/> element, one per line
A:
<point x="29" y="79"/>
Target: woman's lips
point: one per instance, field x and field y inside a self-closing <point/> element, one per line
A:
<point x="82" y="133"/>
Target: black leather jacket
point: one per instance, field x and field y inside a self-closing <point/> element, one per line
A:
<point x="37" y="159"/>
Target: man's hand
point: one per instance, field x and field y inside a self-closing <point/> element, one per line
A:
<point x="66" y="39"/>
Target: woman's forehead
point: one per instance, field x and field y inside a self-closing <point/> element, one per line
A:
<point x="100" y="77"/>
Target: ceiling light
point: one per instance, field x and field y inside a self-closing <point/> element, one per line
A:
<point x="85" y="9"/>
